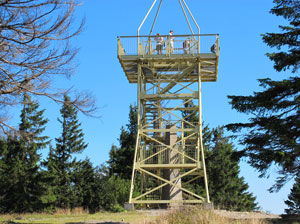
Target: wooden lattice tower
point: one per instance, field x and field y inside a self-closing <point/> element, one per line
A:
<point x="169" y="150"/>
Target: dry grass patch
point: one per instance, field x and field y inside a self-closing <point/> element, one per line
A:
<point x="196" y="215"/>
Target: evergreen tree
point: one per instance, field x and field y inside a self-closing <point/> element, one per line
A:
<point x="86" y="186"/>
<point x="192" y="117"/>
<point x="121" y="159"/>
<point x="114" y="193"/>
<point x="60" y="163"/>
<point x="293" y="201"/>
<point x="227" y="189"/>
<point x="273" y="132"/>
<point x="22" y="181"/>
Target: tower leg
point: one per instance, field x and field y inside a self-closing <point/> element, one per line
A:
<point x="200" y="144"/>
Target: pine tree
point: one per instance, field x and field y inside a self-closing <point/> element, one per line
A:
<point x="22" y="181"/>
<point x="60" y="164"/>
<point x="273" y="131"/>
<point x="227" y="189"/>
<point x="293" y="201"/>
<point x="121" y="159"/>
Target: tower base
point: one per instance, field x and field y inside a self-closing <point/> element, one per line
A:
<point x="208" y="206"/>
<point x="129" y="207"/>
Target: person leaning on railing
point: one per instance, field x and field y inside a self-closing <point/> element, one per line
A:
<point x="213" y="48"/>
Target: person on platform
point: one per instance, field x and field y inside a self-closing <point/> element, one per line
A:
<point x="159" y="43"/>
<point x="171" y="40"/>
<point x="187" y="46"/>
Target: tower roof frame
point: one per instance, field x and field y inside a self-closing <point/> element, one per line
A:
<point x="182" y="4"/>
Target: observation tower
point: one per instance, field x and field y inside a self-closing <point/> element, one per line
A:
<point x="169" y="153"/>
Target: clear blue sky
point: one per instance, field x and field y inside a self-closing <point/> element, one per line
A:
<point x="242" y="61"/>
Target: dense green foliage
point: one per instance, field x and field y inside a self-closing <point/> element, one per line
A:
<point x="68" y="183"/>
<point x="293" y="201"/>
<point x="227" y="189"/>
<point x="272" y="135"/>
<point x="21" y="180"/>
<point x="62" y="181"/>
<point x="121" y="159"/>
<point x="87" y="186"/>
<point x="115" y="193"/>
<point x="288" y="39"/>
<point x="61" y="166"/>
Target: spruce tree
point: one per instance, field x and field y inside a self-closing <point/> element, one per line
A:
<point x="22" y="181"/>
<point x="60" y="163"/>
<point x="86" y="186"/>
<point x="273" y="131"/>
<point x="121" y="159"/>
<point x="191" y="116"/>
<point x="293" y="201"/>
<point x="227" y="189"/>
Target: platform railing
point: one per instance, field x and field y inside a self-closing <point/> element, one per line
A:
<point x="170" y="45"/>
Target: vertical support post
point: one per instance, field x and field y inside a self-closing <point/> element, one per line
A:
<point x="183" y="142"/>
<point x="150" y="46"/>
<point x="138" y="132"/>
<point x="139" y="90"/>
<point x="133" y="168"/>
<point x="199" y="44"/>
<point x="200" y="140"/>
<point x="217" y="45"/>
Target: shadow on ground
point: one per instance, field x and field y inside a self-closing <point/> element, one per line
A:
<point x="284" y="221"/>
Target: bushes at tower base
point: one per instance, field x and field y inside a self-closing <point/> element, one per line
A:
<point x="114" y="193"/>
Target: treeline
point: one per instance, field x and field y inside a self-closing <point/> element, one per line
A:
<point x="29" y="183"/>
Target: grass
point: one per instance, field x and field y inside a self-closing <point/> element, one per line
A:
<point x="78" y="217"/>
<point x="184" y="216"/>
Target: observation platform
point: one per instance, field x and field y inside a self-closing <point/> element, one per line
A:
<point x="178" y="53"/>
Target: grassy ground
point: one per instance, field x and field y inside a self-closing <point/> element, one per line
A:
<point x="78" y="218"/>
<point x="186" y="216"/>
